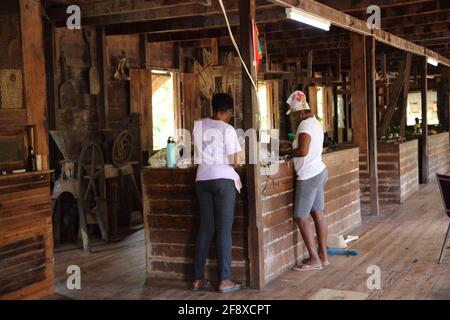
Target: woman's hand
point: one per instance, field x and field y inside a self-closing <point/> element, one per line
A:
<point x="285" y="147"/>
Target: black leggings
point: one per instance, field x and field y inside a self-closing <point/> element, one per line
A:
<point x="217" y="200"/>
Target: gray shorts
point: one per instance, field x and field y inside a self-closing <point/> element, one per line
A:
<point x="309" y="196"/>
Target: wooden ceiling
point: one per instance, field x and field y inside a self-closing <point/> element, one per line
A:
<point x="424" y="22"/>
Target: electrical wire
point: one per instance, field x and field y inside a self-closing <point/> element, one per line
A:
<point x="237" y="47"/>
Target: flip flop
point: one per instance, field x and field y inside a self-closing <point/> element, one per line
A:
<point x="325" y="263"/>
<point x="306" y="267"/>
<point x="205" y="286"/>
<point x="235" y="287"/>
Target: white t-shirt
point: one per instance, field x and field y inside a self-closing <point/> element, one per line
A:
<point x="214" y="141"/>
<point x="311" y="165"/>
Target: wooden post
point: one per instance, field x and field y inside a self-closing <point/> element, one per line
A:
<point x="404" y="100"/>
<point x="372" y="125"/>
<point x="250" y="109"/>
<point x="359" y="92"/>
<point x="141" y="102"/>
<point x="143" y="50"/>
<point x="34" y="74"/>
<point x="103" y="114"/>
<point x="443" y="98"/>
<point x="424" y="165"/>
<point x="52" y="90"/>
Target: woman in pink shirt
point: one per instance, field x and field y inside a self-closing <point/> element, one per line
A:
<point x="216" y="148"/>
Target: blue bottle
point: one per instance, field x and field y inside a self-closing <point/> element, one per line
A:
<point x="171" y="153"/>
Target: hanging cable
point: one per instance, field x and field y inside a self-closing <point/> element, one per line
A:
<point x="237" y="47"/>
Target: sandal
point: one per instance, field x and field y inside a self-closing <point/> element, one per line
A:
<point x="235" y="287"/>
<point x="325" y="263"/>
<point x="307" y="267"/>
<point x="204" y="286"/>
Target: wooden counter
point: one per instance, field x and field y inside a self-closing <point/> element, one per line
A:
<point x="26" y="242"/>
<point x="171" y="221"/>
<point x="283" y="244"/>
<point x="171" y="218"/>
<point x="398" y="172"/>
<point x="438" y="154"/>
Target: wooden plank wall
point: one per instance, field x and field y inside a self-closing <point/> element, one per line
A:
<point x="85" y="115"/>
<point x="439" y="154"/>
<point x="398" y="172"/>
<point x="283" y="244"/>
<point x="171" y="220"/>
<point x="26" y="240"/>
<point x="409" y="169"/>
<point x="118" y="91"/>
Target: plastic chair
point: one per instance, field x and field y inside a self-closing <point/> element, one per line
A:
<point x="444" y="186"/>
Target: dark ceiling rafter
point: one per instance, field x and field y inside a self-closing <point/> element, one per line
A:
<point x="418" y="26"/>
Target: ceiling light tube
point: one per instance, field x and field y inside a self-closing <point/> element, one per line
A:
<point x="432" y="61"/>
<point x="309" y="19"/>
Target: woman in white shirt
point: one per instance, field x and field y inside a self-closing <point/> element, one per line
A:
<point x="312" y="175"/>
<point x="216" y="148"/>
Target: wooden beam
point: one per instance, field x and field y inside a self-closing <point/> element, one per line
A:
<point x="348" y="22"/>
<point x="361" y="5"/>
<point x="34" y="74"/>
<point x="404" y="101"/>
<point x="250" y="109"/>
<point x="443" y="104"/>
<point x="424" y="161"/>
<point x="394" y="96"/>
<point x="143" y="55"/>
<point x="103" y="106"/>
<point x="336" y="17"/>
<point x="141" y="103"/>
<point x="309" y="73"/>
<point x="359" y="92"/>
<point x="52" y="89"/>
<point x="268" y="14"/>
<point x="372" y="125"/>
<point x="114" y="7"/>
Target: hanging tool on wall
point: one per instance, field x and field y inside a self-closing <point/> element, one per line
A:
<point x="120" y="71"/>
<point x="67" y="95"/>
<point x="94" y="79"/>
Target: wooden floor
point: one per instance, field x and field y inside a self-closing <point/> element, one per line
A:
<point x="404" y="243"/>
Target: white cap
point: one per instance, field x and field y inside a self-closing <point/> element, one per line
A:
<point x="297" y="102"/>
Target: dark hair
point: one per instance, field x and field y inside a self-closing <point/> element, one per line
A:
<point x="222" y="102"/>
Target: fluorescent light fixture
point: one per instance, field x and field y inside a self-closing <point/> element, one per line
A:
<point x="307" y="18"/>
<point x="432" y="61"/>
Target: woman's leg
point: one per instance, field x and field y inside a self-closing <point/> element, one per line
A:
<point x="319" y="219"/>
<point x="206" y="228"/>
<point x="307" y="233"/>
<point x="224" y="206"/>
<point x="305" y="194"/>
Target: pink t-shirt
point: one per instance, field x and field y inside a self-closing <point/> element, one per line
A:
<point x="214" y="141"/>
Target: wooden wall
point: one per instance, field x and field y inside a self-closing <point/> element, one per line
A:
<point x="283" y="245"/>
<point x="118" y="91"/>
<point x="398" y="172"/>
<point x="171" y="222"/>
<point x="439" y="154"/>
<point x="85" y="114"/>
<point x="26" y="241"/>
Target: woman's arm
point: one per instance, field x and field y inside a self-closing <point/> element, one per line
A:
<point x="234" y="160"/>
<point x="304" y="141"/>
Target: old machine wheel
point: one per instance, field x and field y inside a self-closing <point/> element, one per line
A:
<point x="92" y="186"/>
<point x="123" y="148"/>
